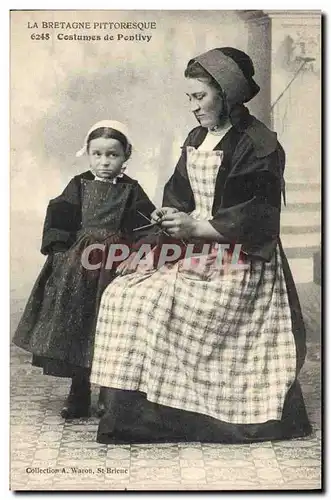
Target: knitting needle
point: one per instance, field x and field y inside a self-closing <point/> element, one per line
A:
<point x="163" y="231"/>
<point x="144" y="227"/>
<point x="145" y="217"/>
<point x="152" y="223"/>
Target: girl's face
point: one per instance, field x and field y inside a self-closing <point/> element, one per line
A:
<point x="106" y="157"/>
<point x="206" y="102"/>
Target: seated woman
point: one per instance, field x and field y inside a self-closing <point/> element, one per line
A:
<point x="211" y="353"/>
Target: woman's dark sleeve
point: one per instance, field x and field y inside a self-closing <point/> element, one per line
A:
<point x="177" y="191"/>
<point x="250" y="213"/>
<point x="63" y="219"/>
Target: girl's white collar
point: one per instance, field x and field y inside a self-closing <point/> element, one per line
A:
<point x="113" y="181"/>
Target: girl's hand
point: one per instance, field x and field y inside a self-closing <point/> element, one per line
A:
<point x="128" y="266"/>
<point x="159" y="213"/>
<point x="179" y="224"/>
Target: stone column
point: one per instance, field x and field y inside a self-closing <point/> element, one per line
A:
<point x="296" y="116"/>
<point x="259" y="49"/>
<point x="295" y="52"/>
<point x="285" y="49"/>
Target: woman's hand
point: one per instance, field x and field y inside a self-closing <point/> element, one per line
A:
<point x="179" y="224"/>
<point x="159" y="213"/>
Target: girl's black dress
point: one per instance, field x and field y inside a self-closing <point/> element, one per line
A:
<point x="58" y="322"/>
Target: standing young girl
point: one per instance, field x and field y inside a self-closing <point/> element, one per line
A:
<point x="102" y="205"/>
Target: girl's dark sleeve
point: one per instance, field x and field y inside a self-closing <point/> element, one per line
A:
<point x="142" y="205"/>
<point x="250" y="212"/>
<point x="142" y="209"/>
<point x="177" y="191"/>
<point x="63" y="219"/>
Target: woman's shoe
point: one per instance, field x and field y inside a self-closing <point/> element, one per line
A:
<point x="107" y="398"/>
<point x="78" y="402"/>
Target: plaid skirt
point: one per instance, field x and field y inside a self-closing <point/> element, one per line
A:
<point x="217" y="343"/>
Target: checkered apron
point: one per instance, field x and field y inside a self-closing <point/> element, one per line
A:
<point x="217" y="342"/>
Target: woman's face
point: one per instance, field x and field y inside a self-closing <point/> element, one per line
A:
<point x="106" y="157"/>
<point x="206" y="102"/>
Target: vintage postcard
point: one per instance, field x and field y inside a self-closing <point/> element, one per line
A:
<point x="165" y="172"/>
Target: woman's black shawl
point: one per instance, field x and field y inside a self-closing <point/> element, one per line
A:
<point x="247" y="201"/>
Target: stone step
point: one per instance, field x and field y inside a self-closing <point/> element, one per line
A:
<point x="301" y="253"/>
<point x="302" y="240"/>
<point x="300" y="230"/>
<point x="302" y="186"/>
<point x="302" y="270"/>
<point x="301" y="218"/>
<point x="307" y="206"/>
<point x="303" y="196"/>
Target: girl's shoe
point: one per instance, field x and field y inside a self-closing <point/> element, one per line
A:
<point x="78" y="402"/>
